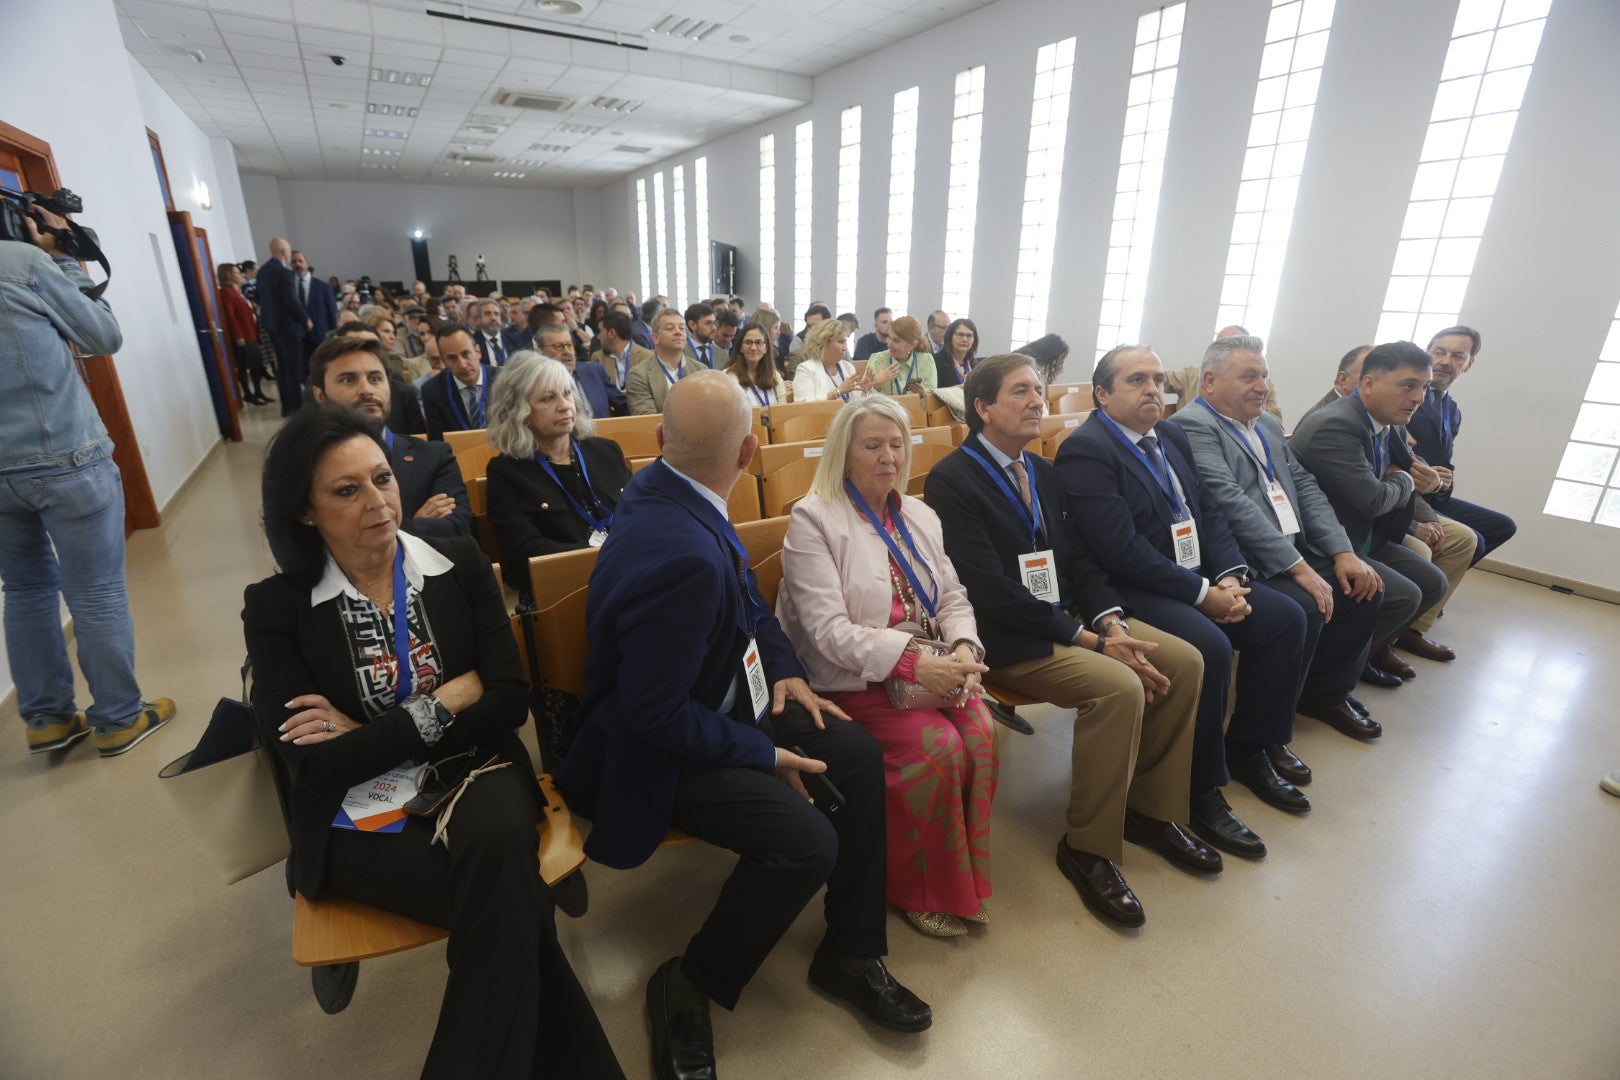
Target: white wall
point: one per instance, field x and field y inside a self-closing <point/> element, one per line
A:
<point x="1545" y="285"/>
<point x="350" y="228"/>
<point x="96" y="127"/>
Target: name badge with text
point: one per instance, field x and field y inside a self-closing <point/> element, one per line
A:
<point x="378" y="805"/>
<point x="1185" y="536"/>
<point x="1039" y="571"/>
<point x="1287" y="520"/>
<point x="759" y="691"/>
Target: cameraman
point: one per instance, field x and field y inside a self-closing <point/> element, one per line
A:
<point x="59" y="487"/>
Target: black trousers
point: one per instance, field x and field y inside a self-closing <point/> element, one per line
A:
<point x="1271" y="638"/>
<point x="787" y="849"/>
<point x="290" y="368"/>
<point x="1335" y="651"/>
<point x="1493" y="527"/>
<point x="512" y="1006"/>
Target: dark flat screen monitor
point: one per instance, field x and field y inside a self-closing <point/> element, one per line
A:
<point x="723" y="268"/>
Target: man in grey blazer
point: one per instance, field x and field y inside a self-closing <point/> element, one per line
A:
<point x="649" y="382"/>
<point x="1288" y="532"/>
<point x="1356" y="448"/>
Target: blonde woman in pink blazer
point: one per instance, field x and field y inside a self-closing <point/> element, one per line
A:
<point x="861" y="557"/>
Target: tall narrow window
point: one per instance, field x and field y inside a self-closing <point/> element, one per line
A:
<point x="1141" y="166"/>
<point x="1284" y="100"/>
<point x="803" y="143"/>
<point x="1043" y="184"/>
<point x="1588" y="484"/>
<point x="902" y="185"/>
<point x="678" y="191"/>
<point x="849" y="204"/>
<point x="641" y="227"/>
<point x="767" y="218"/>
<point x="661" y="230"/>
<point x="700" y="223"/>
<point x="1493" y="47"/>
<point x="967" y="122"/>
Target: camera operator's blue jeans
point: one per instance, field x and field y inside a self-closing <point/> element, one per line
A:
<point x="79" y="509"/>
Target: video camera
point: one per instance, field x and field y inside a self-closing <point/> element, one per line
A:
<point x="72" y="239"/>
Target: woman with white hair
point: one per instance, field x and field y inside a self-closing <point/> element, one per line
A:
<point x="554" y="485"/>
<point x="883" y="628"/>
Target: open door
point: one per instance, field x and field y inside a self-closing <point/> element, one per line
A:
<point x="210" y="342"/>
<point x="215" y="319"/>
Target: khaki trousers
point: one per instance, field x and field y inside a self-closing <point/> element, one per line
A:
<point x="1453" y="558"/>
<point x="1126" y="752"/>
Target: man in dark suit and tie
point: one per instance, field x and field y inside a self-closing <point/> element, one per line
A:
<point x="1436" y="425"/>
<point x="351" y="371"/>
<point x="516" y="336"/>
<point x="1053" y="628"/>
<point x="284" y="318"/>
<point x="693" y="700"/>
<point x="454" y="399"/>
<point x="592" y="392"/>
<point x="1159" y="534"/>
<point x="486" y="324"/>
<point x="618" y="352"/>
<point x="316" y="296"/>
<point x="700" y="343"/>
<point x="1356" y="448"/>
<point x="1288" y="533"/>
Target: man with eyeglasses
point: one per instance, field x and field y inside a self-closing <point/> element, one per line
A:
<point x="1436" y="425"/>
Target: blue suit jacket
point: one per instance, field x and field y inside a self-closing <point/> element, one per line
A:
<point x="279" y="309"/>
<point x="667" y="627"/>
<point x="1435" y="426"/>
<point x="1125" y="517"/>
<point x="605" y="398"/>
<point x="322" y="308"/>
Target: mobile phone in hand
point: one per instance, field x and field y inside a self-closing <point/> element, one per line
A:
<point x="823" y="792"/>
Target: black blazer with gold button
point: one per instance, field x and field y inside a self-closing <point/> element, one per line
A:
<point x="532" y="516"/>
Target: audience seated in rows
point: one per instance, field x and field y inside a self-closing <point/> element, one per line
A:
<point x="651" y="381"/>
<point x="617" y="351"/>
<point x="906" y="352"/>
<point x="753" y="365"/>
<point x="594" y="395"/>
<point x="455" y="399"/>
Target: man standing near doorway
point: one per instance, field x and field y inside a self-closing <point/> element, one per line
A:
<point x="62" y="508"/>
<point x="285" y="319"/>
<point x="319" y="304"/>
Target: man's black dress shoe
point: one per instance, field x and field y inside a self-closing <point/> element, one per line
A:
<point x="865" y="983"/>
<point x="682" y="1040"/>
<point x="1343" y="717"/>
<point x="1213" y="819"/>
<point x="1350" y="700"/>
<point x="1373" y="676"/>
<point x="1100" y="885"/>
<point x="1288" y="765"/>
<point x="1007" y="716"/>
<point x="1386" y="659"/>
<point x="1171" y="841"/>
<point x="1255" y="771"/>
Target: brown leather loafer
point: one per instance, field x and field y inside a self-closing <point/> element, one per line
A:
<point x="1288" y="765"/>
<point x="1386" y="659"/>
<point x="1100" y="885"/>
<point x="1173" y="842"/>
<point x="1418" y="645"/>
<point x="1341" y="717"/>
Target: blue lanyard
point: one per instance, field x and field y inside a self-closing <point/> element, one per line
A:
<point x="1448" y="434"/>
<point x="1237" y="433"/>
<point x="930" y="600"/>
<point x="452" y="387"/>
<point x="764" y="398"/>
<point x="624" y="368"/>
<point x="841" y="378"/>
<point x="597" y="524"/>
<point x="680" y="371"/>
<point x="1166" y="483"/>
<point x="1380" y="439"/>
<point x="388" y="437"/>
<point x="1032" y="515"/>
<point x="756" y="610"/>
<point x="404" y="676"/>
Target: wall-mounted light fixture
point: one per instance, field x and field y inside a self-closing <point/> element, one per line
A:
<point x="199" y="195"/>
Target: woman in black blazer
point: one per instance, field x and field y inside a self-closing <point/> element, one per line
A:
<point x="329" y="692"/>
<point x="554" y="487"/>
<point x="957" y="356"/>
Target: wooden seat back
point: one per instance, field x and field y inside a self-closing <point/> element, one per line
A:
<point x="559" y="584"/>
<point x="637" y="436"/>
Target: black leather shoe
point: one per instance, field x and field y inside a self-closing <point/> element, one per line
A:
<point x="865" y="983"/>
<point x="682" y="1041"/>
<point x="1008" y="716"/>
<point x="1288" y="765"/>
<point x="1343" y="717"/>
<point x="1373" y="676"/>
<point x="1213" y="819"/>
<point x="1173" y="842"/>
<point x="1100" y="885"/>
<point x="1255" y="771"/>
<point x="1350" y="700"/>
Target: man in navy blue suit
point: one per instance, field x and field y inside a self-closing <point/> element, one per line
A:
<point x="694" y="714"/>
<point x="283" y="317"/>
<point x="1167" y="548"/>
<point x="591" y="386"/>
<point x="316" y="297"/>
<point x="454" y="399"/>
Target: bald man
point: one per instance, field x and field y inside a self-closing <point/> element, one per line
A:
<point x="283" y="317"/>
<point x="696" y="714"/>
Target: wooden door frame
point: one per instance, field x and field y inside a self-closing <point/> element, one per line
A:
<point x="203" y="281"/>
<point x="222" y="339"/>
<point x="99" y="373"/>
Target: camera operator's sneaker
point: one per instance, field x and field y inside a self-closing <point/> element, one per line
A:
<point x="57" y="734"/>
<point x="154" y="714"/>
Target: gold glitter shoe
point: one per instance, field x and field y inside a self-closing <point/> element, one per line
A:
<point x="936" y="923"/>
<point x="983" y="916"/>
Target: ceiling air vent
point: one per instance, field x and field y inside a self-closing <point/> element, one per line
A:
<point x="681" y="27"/>
<point x="463" y="158"/>
<point x="530" y="99"/>
<point x="615" y="104"/>
<point x="626" y="148"/>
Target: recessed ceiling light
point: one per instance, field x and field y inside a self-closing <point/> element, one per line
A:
<point x="340" y="105"/>
<point x="740" y="38"/>
<point x="558" y="7"/>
